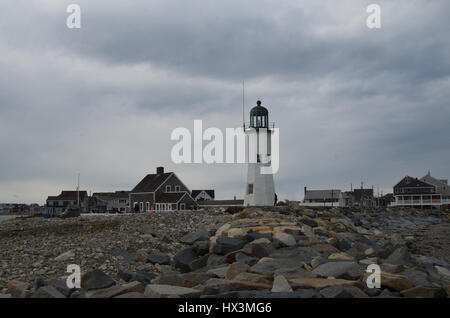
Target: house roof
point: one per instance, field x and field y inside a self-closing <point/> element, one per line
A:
<point x="173" y="197"/>
<point x="437" y="182"/>
<point x="151" y="182"/>
<point x="197" y="192"/>
<point x="69" y="196"/>
<point x="321" y="194"/>
<point x="410" y="182"/>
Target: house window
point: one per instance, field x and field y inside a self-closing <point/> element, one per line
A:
<point x="141" y="206"/>
<point x="250" y="188"/>
<point x="122" y="209"/>
<point x="168" y="188"/>
<point x="182" y="206"/>
<point x="122" y="201"/>
<point x="147" y="206"/>
<point x="177" y="188"/>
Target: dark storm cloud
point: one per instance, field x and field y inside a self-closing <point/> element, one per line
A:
<point x="352" y="104"/>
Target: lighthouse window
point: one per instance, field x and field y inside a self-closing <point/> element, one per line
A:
<point x="250" y="188"/>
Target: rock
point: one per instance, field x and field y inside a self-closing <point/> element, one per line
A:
<point x="391" y="268"/>
<point x="284" y="239"/>
<point x="355" y="292"/>
<point x="47" y="292"/>
<point x="225" y="245"/>
<point x="184" y="280"/>
<point x="443" y="272"/>
<point x="61" y="286"/>
<point x="191" y="238"/>
<point x="65" y="256"/>
<point x="215" y="260"/>
<point x="220" y="272"/>
<point x="158" y="258"/>
<point x="308" y="222"/>
<point x="131" y="295"/>
<point x="237" y="233"/>
<point x="259" y="250"/>
<point x="336" y="291"/>
<point x="340" y="256"/>
<point x="184" y="258"/>
<point x="199" y="263"/>
<point x="244" y="259"/>
<point x="17" y="289"/>
<point x="394" y="282"/>
<point x="125" y="274"/>
<point x="96" y="279"/>
<point x="252" y="236"/>
<point x="118" y="290"/>
<point x="424" y="292"/>
<point x="253" y="278"/>
<point x="201" y="247"/>
<point x="168" y="291"/>
<point x="281" y="285"/>
<point x="416" y="277"/>
<point x="235" y="269"/>
<point x="216" y="286"/>
<point x="320" y="282"/>
<point x="144" y="277"/>
<point x="335" y="269"/>
<point x="262" y="240"/>
<point x="399" y="257"/>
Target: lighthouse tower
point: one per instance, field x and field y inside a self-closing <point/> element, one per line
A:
<point x="260" y="189"/>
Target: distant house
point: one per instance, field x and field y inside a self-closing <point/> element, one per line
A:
<point x="58" y="204"/>
<point x="162" y="191"/>
<point x="425" y="192"/>
<point x="321" y="197"/>
<point x="357" y="197"/>
<point x="363" y="197"/>
<point x="199" y="195"/>
<point x="114" y="201"/>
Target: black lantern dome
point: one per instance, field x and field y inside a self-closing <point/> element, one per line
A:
<point x="259" y="116"/>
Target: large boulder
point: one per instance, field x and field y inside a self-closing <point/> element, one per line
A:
<point x="225" y="245"/>
<point x="168" y="291"/>
<point x="284" y="239"/>
<point x="184" y="258"/>
<point x="47" y="292"/>
<point x="281" y="285"/>
<point x="335" y="269"/>
<point x="158" y="258"/>
<point x="191" y="238"/>
<point x="96" y="279"/>
<point x="336" y="291"/>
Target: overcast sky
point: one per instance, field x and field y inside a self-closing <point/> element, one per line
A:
<point x="353" y="104"/>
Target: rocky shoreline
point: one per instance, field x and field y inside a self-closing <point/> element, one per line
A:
<point x="272" y="252"/>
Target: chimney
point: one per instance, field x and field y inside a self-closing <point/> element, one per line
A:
<point x="160" y="170"/>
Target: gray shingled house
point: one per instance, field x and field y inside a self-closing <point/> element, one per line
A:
<point x="162" y="191"/>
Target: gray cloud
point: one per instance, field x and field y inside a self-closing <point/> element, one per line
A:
<point x="352" y="104"/>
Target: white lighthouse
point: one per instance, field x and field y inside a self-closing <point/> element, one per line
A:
<point x="260" y="189"/>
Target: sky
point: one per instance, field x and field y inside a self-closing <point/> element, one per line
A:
<point x="353" y="104"/>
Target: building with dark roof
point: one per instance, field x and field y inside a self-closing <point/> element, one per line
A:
<point x="321" y="197"/>
<point x="60" y="203"/>
<point x="162" y="191"/>
<point x="117" y="201"/>
<point x="425" y="192"/>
